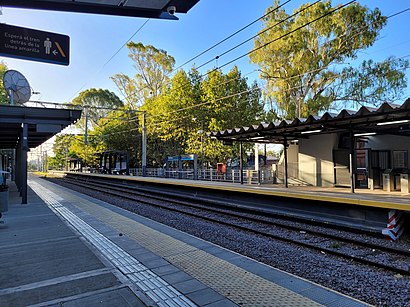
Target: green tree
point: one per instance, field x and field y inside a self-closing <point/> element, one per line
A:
<point x="179" y="119"/>
<point x="4" y="99"/>
<point x="119" y="130"/>
<point x="152" y="66"/>
<point x="170" y="118"/>
<point x="97" y="103"/>
<point x="302" y="70"/>
<point x="231" y="103"/>
<point x="62" y="149"/>
<point x="128" y="89"/>
<point x="181" y="109"/>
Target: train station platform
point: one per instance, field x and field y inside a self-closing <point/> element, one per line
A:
<point x="65" y="248"/>
<point x="362" y="197"/>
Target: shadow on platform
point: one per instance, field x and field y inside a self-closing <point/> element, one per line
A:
<point x="43" y="261"/>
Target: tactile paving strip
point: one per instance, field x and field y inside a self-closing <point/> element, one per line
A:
<point x="238" y="285"/>
<point x="152" y="285"/>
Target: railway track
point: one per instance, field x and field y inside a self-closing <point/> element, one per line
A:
<point x="343" y="244"/>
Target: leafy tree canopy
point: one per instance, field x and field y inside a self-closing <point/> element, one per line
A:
<point x="119" y="130"/>
<point x="152" y="67"/>
<point x="97" y="103"/>
<point x="179" y="119"/>
<point x="4" y="99"/>
<point x="308" y="70"/>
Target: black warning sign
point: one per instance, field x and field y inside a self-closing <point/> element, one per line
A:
<point x="34" y="45"/>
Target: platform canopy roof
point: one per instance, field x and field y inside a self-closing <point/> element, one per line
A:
<point x="387" y="119"/>
<point x="133" y="8"/>
<point x="42" y="123"/>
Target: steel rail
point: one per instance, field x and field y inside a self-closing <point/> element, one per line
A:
<point x="102" y="187"/>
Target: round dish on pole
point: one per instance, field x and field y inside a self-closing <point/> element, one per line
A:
<point x="17" y="87"/>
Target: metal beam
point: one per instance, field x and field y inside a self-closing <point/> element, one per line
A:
<point x="240" y="162"/>
<point x="23" y="163"/>
<point x="285" y="153"/>
<point x="138" y="10"/>
<point x="352" y="159"/>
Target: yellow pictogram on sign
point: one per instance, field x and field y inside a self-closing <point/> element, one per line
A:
<point x="60" y="49"/>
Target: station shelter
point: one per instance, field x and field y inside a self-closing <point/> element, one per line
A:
<point x="145" y="9"/>
<point x="113" y="162"/>
<point x="368" y="148"/>
<point x="74" y="164"/>
<point x="22" y="128"/>
<point x="182" y="167"/>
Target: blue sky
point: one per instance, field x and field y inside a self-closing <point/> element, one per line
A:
<point x="95" y="38"/>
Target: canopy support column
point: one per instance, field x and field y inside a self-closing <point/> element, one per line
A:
<point x="240" y="162"/>
<point x="127" y="164"/>
<point x="18" y="166"/>
<point x="352" y="159"/>
<point x="285" y="153"/>
<point x="23" y="163"/>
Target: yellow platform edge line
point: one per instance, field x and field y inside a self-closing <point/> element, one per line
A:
<point x="297" y="195"/>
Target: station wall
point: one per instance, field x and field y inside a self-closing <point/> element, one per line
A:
<point x="390" y="142"/>
<point x="316" y="165"/>
<point x="311" y="160"/>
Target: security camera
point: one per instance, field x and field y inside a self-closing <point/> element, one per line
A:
<point x="171" y="10"/>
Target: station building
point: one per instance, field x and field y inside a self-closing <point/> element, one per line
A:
<point x="323" y="160"/>
<point x="367" y="148"/>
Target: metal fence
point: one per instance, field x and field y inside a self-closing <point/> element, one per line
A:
<point x="249" y="176"/>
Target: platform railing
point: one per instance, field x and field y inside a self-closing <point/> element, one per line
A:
<point x="249" y="176"/>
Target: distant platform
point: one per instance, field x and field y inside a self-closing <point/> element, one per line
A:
<point x="361" y="197"/>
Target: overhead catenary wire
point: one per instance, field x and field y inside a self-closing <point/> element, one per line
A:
<point x="201" y="104"/>
<point x="197" y="105"/>
<point x="232" y="35"/>
<point x="203" y="75"/>
<point x="276" y="39"/>
<point x="280" y="37"/>
<point x="243" y="92"/>
<point x="263" y="31"/>
<point x="230" y="96"/>
<point x="112" y="57"/>
<point x="287" y="34"/>
<point x="217" y="44"/>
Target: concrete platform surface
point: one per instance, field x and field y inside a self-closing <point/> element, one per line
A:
<point x="132" y="256"/>
<point x="43" y="261"/>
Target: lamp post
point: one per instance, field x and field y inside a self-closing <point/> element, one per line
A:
<point x="144" y="144"/>
<point x="201" y="132"/>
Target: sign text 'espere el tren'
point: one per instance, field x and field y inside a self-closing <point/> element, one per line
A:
<point x="34" y="45"/>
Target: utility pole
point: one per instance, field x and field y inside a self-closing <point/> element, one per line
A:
<point x="240" y="162"/>
<point x="66" y="157"/>
<point x="144" y="145"/>
<point x="86" y="126"/>
<point x="45" y="164"/>
<point x="285" y="153"/>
